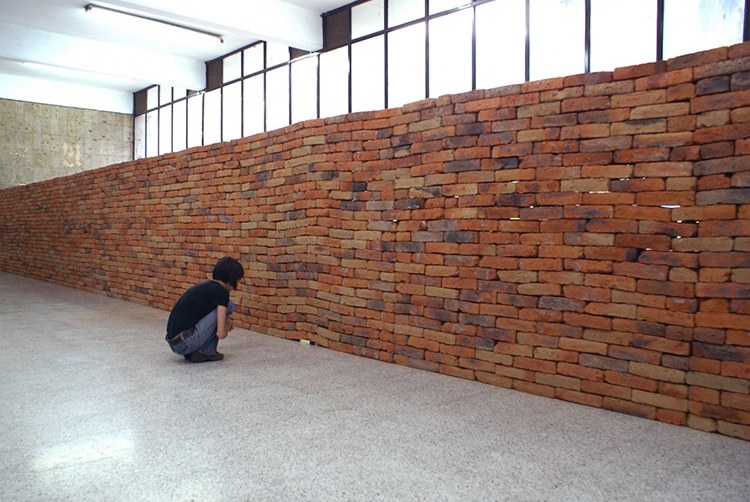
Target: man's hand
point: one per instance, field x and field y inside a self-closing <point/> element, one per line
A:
<point x="229" y="325"/>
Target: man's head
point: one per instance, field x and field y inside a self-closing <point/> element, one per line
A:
<point x="229" y="271"/>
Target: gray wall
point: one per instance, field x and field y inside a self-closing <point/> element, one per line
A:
<point x="39" y="142"/>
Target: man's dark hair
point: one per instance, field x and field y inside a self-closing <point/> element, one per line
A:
<point x="228" y="270"/>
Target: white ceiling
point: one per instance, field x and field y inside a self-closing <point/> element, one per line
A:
<point x="92" y="63"/>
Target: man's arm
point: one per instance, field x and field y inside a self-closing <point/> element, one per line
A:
<point x="222" y="330"/>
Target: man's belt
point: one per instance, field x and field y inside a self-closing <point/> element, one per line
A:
<point x="181" y="337"/>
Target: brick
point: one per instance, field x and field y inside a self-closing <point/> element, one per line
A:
<point x="585" y="104"/>
<point x="642" y="126"/>
<point x="629" y="407"/>
<point x="604" y="389"/>
<point x="558" y="381"/>
<point x="623" y="379"/>
<point x="733" y="429"/>
<point x="659" y="400"/>
<point x="659" y="110"/>
<point x="723" y="383"/>
<point x="729" y="132"/>
<point x="736" y="401"/>
<point x="580" y="372"/>
<point x="493" y="379"/>
<point x="603" y="363"/>
<point x="657" y="372"/>
<point x="701" y="423"/>
<point x="712" y="85"/>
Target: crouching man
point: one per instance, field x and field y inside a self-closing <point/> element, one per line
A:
<point x="201" y="317"/>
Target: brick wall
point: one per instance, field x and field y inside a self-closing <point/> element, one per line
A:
<point x="585" y="238"/>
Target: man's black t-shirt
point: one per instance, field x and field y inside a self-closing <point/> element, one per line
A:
<point x="194" y="305"/>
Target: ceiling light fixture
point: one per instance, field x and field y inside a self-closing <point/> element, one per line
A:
<point x="105" y="9"/>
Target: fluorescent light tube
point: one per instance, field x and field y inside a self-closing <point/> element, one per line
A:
<point x="149" y="27"/>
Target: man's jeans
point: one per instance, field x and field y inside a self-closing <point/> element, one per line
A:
<point x="204" y="337"/>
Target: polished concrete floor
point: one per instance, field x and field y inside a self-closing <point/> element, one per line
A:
<point x="95" y="407"/>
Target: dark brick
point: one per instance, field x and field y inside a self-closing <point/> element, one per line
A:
<point x="461" y="236"/>
<point x="741" y="81"/>
<point x="712" y="85"/>
<point x="461" y="165"/>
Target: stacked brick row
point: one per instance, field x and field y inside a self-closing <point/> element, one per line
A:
<point x="585" y="238"/>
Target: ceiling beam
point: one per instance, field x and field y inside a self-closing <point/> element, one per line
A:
<point x="271" y="20"/>
<point x="100" y="58"/>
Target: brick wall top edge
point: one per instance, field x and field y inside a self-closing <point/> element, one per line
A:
<point x="622" y="73"/>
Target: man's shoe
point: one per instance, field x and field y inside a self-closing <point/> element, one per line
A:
<point x="200" y="357"/>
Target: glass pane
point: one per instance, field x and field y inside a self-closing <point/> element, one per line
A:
<point x="406" y="65"/>
<point x="252" y="106"/>
<point x="368" y="75"/>
<point x="165" y="130"/>
<point x="232" y="67"/>
<point x="165" y="95"/>
<point x="507" y="66"/>
<point x="696" y="25"/>
<point x="139" y="137"/>
<point x="179" y="92"/>
<point x="367" y="18"/>
<point x="443" y="5"/>
<point x="179" y="127"/>
<point x="152" y="133"/>
<point x="556" y="38"/>
<point x="152" y="97"/>
<point x="277" y="101"/>
<point x="612" y="25"/>
<point x="305" y="89"/>
<point x="402" y="11"/>
<point x="276" y="54"/>
<point x="334" y="82"/>
<point x="212" y="117"/>
<point x="450" y="53"/>
<point x="253" y="59"/>
<point x="232" y="112"/>
<point x="195" y="120"/>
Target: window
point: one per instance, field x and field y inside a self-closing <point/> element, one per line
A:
<point x="334" y="82"/>
<point x="368" y="75"/>
<point x="195" y="120"/>
<point x="387" y="53"/>
<point x="557" y="38"/>
<point x="231" y="112"/>
<point x="152" y="133"/>
<point x="232" y="69"/>
<point x="212" y="117"/>
<point x="277" y="98"/>
<point x="276" y="54"/>
<point x="612" y="42"/>
<point x="450" y="53"/>
<point x="152" y="97"/>
<point x="254" y="59"/>
<point x="253" y="106"/>
<point x="367" y="18"/>
<point x="696" y="25"/>
<point x="165" y="95"/>
<point x="501" y="53"/>
<point x="437" y="6"/>
<point x="403" y="11"/>
<point x="406" y="65"/>
<point x="165" y="129"/>
<point x="179" y="130"/>
<point x="139" y="137"/>
<point x="305" y="89"/>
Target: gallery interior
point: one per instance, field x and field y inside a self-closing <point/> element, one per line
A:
<point x="493" y="249"/>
